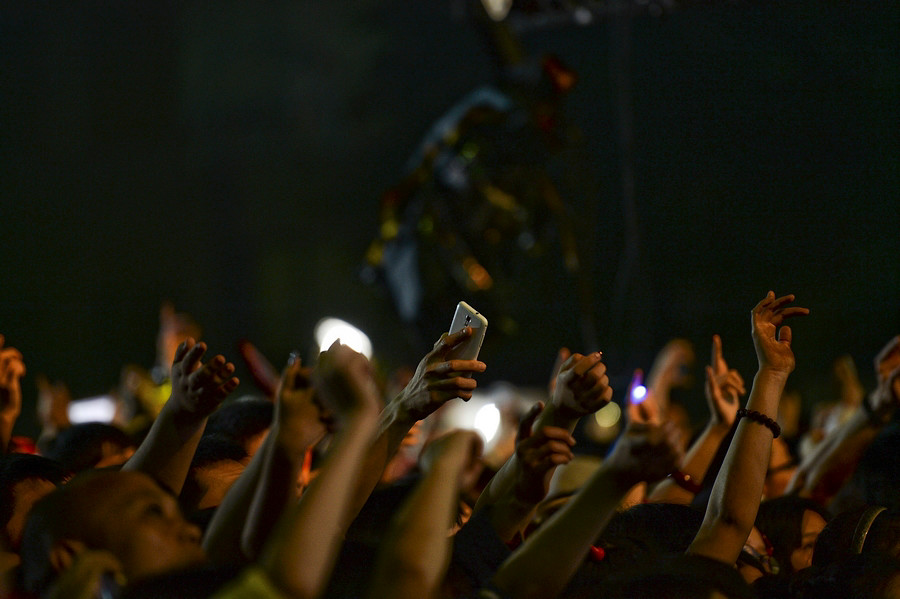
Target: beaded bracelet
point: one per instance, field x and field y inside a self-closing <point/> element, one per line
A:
<point x="761" y="419"/>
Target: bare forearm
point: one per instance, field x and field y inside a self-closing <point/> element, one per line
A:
<point x="392" y="426"/>
<point x="167" y="451"/>
<point x="275" y="492"/>
<point x="300" y="555"/>
<point x="417" y="551"/>
<point x="830" y="465"/>
<point x="502" y="485"/>
<point x="739" y="485"/>
<point x="545" y="563"/>
<point x="695" y="464"/>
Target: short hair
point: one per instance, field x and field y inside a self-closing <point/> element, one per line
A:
<point x="216" y="448"/>
<point x="681" y="576"/>
<point x="80" y="447"/>
<point x="242" y="419"/>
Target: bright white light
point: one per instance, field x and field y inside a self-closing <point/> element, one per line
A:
<point x="92" y="409"/>
<point x="608" y="415"/>
<point x="638" y="394"/>
<point x="487" y="422"/>
<point x="329" y="330"/>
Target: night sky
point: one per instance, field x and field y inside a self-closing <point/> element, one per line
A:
<point x="230" y="157"/>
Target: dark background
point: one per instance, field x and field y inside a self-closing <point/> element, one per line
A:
<point x="230" y="157"/>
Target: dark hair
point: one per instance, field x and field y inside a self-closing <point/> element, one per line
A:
<point x="677" y="577"/>
<point x="864" y="575"/>
<point x="215" y="448"/>
<point x="780" y="519"/>
<point x="241" y="419"/>
<point x="876" y="478"/>
<point x="640" y="534"/>
<point x="16" y="467"/>
<point x="80" y="447"/>
<point x="836" y="541"/>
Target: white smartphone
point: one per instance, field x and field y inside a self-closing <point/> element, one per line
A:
<point x="467" y="316"/>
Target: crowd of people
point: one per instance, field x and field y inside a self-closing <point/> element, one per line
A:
<point x="321" y="485"/>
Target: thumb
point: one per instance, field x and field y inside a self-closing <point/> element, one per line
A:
<point x="784" y="335"/>
<point x="528" y="421"/>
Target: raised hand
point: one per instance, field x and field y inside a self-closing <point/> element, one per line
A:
<point x="724" y="387"/>
<point x="437" y="380"/>
<point x="646" y="452"/>
<point x="199" y="388"/>
<point x="888" y="358"/>
<point x="299" y="416"/>
<point x="582" y="386"/>
<point x="670" y="370"/>
<point x="774" y="353"/>
<point x="345" y="383"/>
<point x="12" y="369"/>
<point x="460" y="452"/>
<point x="644" y="409"/>
<point x="887" y="369"/>
<point x="539" y="453"/>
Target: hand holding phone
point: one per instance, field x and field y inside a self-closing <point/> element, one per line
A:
<point x="467" y="316"/>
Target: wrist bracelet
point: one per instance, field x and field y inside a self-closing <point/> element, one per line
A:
<point x="686" y="482"/>
<point x="761" y="419"/>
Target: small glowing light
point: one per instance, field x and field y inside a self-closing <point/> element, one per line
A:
<point x="329" y="330"/>
<point x="487" y="422"/>
<point x="638" y="394"/>
<point x="608" y="415"/>
<point x="497" y="9"/>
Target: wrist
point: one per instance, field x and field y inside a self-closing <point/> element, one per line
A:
<point x="557" y="415"/>
<point x="770" y="372"/>
<point x="398" y="411"/>
<point x="717" y="427"/>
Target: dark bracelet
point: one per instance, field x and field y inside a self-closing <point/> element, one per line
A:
<point x="686" y="482"/>
<point x="761" y="419"/>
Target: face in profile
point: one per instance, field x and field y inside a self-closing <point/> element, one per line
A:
<point x="138" y="522"/>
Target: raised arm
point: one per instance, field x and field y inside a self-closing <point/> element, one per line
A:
<point x="12" y="369"/>
<point x="268" y="486"/>
<point x="414" y="557"/>
<point x="581" y="387"/>
<point x="197" y="390"/>
<point x="724" y="388"/>
<point x="546" y="561"/>
<point x="735" y="497"/>
<point x="300" y="554"/>
<point x="436" y="381"/>
<point x="538" y="453"/>
<point x="826" y="469"/>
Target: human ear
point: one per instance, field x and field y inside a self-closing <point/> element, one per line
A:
<point x="64" y="553"/>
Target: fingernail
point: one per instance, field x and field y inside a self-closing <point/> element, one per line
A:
<point x="293" y="357"/>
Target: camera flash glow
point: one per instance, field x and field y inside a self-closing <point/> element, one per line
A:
<point x="638" y="394"/>
<point x="487" y="422"/>
<point x="329" y="330"/>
